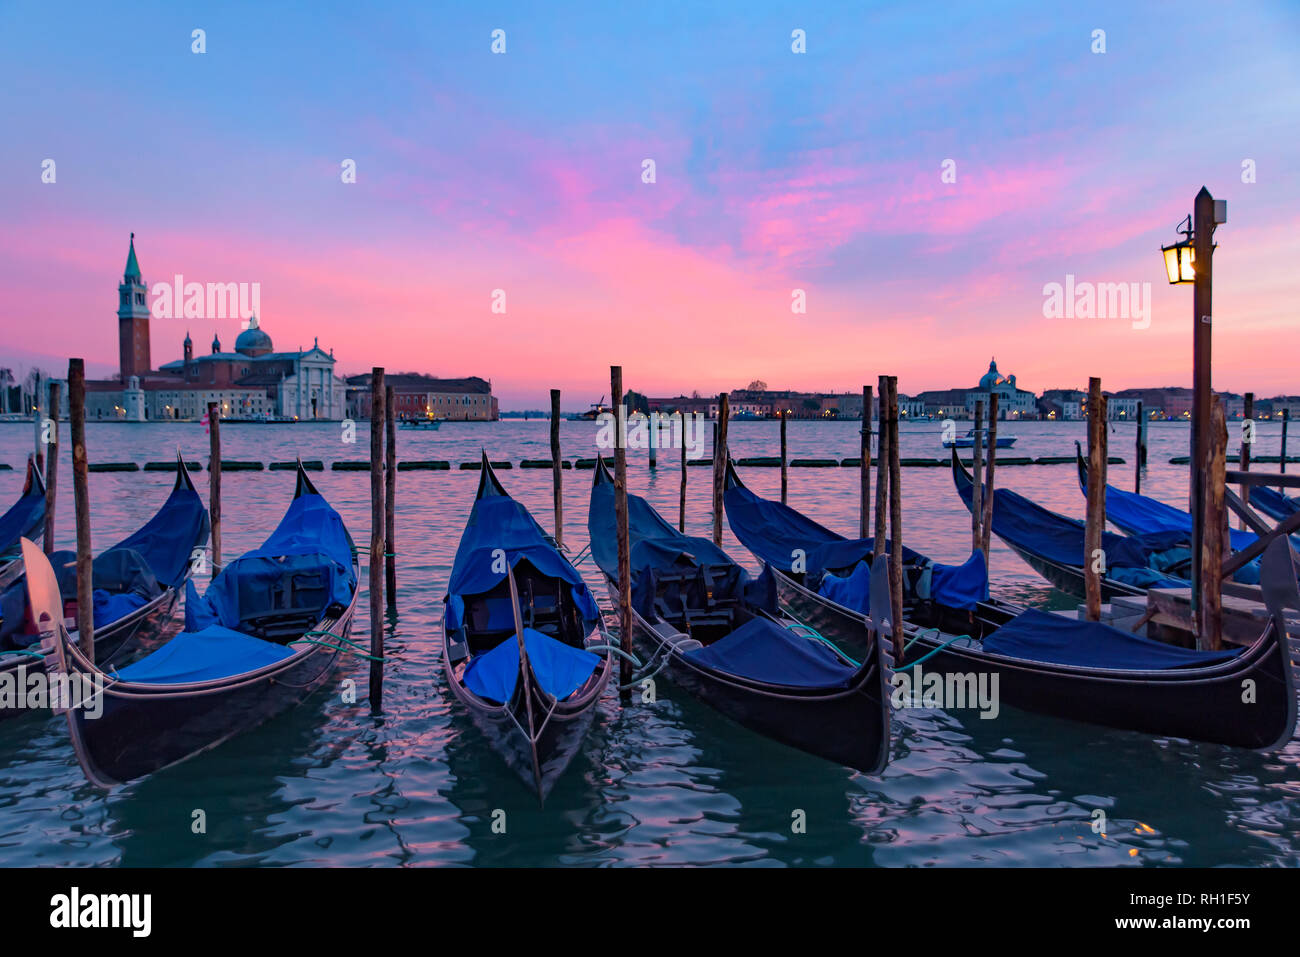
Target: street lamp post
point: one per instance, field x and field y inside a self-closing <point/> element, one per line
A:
<point x="1192" y="261"/>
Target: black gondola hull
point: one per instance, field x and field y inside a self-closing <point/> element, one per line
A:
<point x="159" y="726"/>
<point x="115" y="645"/>
<point x="560" y="737"/>
<point x="848" y="726"/>
<point x="1203" y="704"/>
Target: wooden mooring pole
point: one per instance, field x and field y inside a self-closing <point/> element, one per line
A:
<point x="880" y="532"/>
<point x="557" y="469"/>
<point x="620" y="515"/>
<point x="785" y="460"/>
<point x="378" y="394"/>
<point x="214" y="483"/>
<point x="864" y="468"/>
<point x="1140" y="452"/>
<point x="977" y="473"/>
<point x="1247" y="438"/>
<point x="652" y="422"/>
<point x="681" y="506"/>
<point x="1202" y="394"/>
<point x="895" y="525"/>
<point x="986" y="523"/>
<point x="81" y="500"/>
<point x="1094" y="557"/>
<point x="720" y="468"/>
<point x="390" y="497"/>
<point x="51" y="469"/>
<point x="1286" y="417"/>
<point x="1215" y="527"/>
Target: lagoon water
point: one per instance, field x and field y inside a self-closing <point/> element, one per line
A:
<point x="664" y="783"/>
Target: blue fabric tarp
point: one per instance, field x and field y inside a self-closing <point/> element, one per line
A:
<point x="206" y="655"/>
<point x="762" y="650"/>
<point x="1272" y="502"/>
<point x="852" y="591"/>
<point x="110" y="608"/>
<point x="22" y="518"/>
<point x="560" y="669"/>
<point x="309" y="554"/>
<point x="1025" y="524"/>
<point x="497" y="523"/>
<point x="167" y="540"/>
<point x="1142" y="515"/>
<point x="773" y="532"/>
<point x="961" y="586"/>
<point x="1039" y="636"/>
<point x="653" y="543"/>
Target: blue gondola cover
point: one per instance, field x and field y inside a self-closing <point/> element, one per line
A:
<point x="772" y="531"/>
<point x="308" y="554"/>
<point x="560" y="669"/>
<point x="1040" y="636"/>
<point x="498" y="524"/>
<point x="762" y="650"/>
<point x="207" y="655"/>
<point x="22" y="518"/>
<point x="961" y="586"/>
<point x="167" y="540"/>
<point x="852" y="591"/>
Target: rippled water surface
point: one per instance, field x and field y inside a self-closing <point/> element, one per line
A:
<point x="670" y="782"/>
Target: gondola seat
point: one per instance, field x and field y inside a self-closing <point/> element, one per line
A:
<point x="1054" y="639"/>
<point x="207" y="655"/>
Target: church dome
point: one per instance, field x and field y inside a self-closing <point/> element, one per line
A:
<point x="992" y="378"/>
<point x="253" y="341"/>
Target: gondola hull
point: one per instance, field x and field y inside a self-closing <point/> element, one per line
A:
<point x="161" y="725"/>
<point x="115" y="645"/>
<point x="1200" y="704"/>
<point x="849" y="726"/>
<point x="538" y="764"/>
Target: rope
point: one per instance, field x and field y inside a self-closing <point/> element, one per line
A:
<point x="808" y="631"/>
<point x="347" y="644"/>
<point x="932" y="653"/>
<point x="34" y="654"/>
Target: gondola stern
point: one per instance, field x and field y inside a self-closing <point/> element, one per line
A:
<point x="303" y="485"/>
<point x="1081" y="466"/>
<point x="602" y="476"/>
<point x="183" y="479"/>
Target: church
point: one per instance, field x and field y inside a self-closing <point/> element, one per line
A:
<point x="252" y="382"/>
<point x="1013" y="402"/>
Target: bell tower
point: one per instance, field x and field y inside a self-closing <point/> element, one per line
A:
<point x="133" y="321"/>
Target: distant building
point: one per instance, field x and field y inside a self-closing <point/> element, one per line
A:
<point x="1062" y="405"/>
<point x="417" y="396"/>
<point x="1013" y="403"/>
<point x="253" y="381"/>
<point x="945" y="403"/>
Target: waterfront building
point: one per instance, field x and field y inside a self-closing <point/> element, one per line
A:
<point x="1013" y="402"/>
<point x="416" y="395"/>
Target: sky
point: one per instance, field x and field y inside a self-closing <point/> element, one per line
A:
<point x="916" y="178"/>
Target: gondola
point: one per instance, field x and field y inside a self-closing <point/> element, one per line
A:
<point x="136" y="587"/>
<point x="1143" y="517"/>
<point x="24" y="519"/>
<point x="266" y="634"/>
<point x="1054" y="665"/>
<point x="721" y="636"/>
<point x="823" y="578"/>
<point x="524" y="647"/>
<point x="1053" y="545"/>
